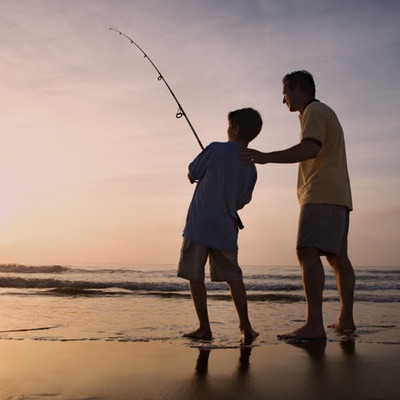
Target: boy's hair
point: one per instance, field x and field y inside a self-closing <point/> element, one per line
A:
<point x="248" y="121"/>
<point x="302" y="79"/>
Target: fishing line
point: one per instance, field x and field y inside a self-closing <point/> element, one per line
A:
<point x="180" y="113"/>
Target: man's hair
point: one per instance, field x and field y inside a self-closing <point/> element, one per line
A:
<point x="302" y="79"/>
<point x="248" y="121"/>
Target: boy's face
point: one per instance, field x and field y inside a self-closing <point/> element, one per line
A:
<point x="233" y="130"/>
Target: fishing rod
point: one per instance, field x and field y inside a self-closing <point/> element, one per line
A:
<point x="180" y="113"/>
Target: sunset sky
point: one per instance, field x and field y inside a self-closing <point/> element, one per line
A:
<point x="93" y="161"/>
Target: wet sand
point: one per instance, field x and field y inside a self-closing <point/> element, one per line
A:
<point x="99" y="370"/>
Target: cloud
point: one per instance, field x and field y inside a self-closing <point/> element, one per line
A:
<point x="90" y="138"/>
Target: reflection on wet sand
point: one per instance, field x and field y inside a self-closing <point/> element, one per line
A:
<point x="203" y="384"/>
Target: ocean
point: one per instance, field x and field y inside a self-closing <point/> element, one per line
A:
<point x="143" y="303"/>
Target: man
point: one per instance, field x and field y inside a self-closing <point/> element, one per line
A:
<point x="324" y="196"/>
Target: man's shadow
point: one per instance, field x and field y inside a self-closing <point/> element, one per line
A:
<point x="316" y="351"/>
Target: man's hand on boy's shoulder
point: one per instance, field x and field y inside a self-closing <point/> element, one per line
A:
<point x="252" y="156"/>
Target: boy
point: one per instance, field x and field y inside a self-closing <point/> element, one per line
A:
<point x="225" y="185"/>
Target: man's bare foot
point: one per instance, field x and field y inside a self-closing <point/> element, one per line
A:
<point x="199" y="335"/>
<point x="306" y="332"/>
<point x="342" y="327"/>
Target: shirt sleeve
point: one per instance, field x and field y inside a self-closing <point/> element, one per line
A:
<point x="199" y="165"/>
<point x="313" y="125"/>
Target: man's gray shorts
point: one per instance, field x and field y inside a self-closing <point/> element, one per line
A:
<point x="325" y="227"/>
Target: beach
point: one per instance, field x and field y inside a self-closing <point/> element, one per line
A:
<point x="99" y="332"/>
<point x="120" y="371"/>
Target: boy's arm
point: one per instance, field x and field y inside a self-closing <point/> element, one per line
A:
<point x="191" y="179"/>
<point x="198" y="165"/>
<point x="305" y="150"/>
<point x="248" y="194"/>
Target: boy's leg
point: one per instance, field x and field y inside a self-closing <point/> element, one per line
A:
<point x="191" y="267"/>
<point x="224" y="267"/>
<point x="239" y="296"/>
<point x="199" y="296"/>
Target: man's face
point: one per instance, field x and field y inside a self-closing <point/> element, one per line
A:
<point x="290" y="97"/>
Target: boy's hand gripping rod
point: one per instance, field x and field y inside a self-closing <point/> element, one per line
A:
<point x="180" y="113"/>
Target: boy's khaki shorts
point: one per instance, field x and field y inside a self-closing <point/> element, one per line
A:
<point x="224" y="265"/>
<point x="325" y="227"/>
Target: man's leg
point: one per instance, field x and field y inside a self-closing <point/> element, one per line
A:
<point x="199" y="296"/>
<point x="313" y="283"/>
<point x="239" y="296"/>
<point x="345" y="280"/>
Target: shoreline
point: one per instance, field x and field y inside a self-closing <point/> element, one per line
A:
<point x="100" y="370"/>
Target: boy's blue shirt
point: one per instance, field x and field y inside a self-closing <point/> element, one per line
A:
<point x="225" y="185"/>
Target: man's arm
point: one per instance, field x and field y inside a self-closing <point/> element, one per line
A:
<point x="305" y="150"/>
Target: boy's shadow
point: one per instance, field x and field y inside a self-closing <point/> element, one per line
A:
<point x="238" y="382"/>
<point x="202" y="363"/>
<point x="204" y="354"/>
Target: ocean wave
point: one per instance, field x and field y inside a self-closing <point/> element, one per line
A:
<point x="31" y="269"/>
<point x="256" y="291"/>
<point x="374" y="285"/>
<point x="24" y="283"/>
<point x="148" y="286"/>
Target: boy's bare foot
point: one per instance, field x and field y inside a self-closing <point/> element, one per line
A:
<point x="342" y="327"/>
<point x="249" y="335"/>
<point x="306" y="332"/>
<point x="199" y="335"/>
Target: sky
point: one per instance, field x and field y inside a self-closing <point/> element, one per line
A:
<point x="93" y="161"/>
